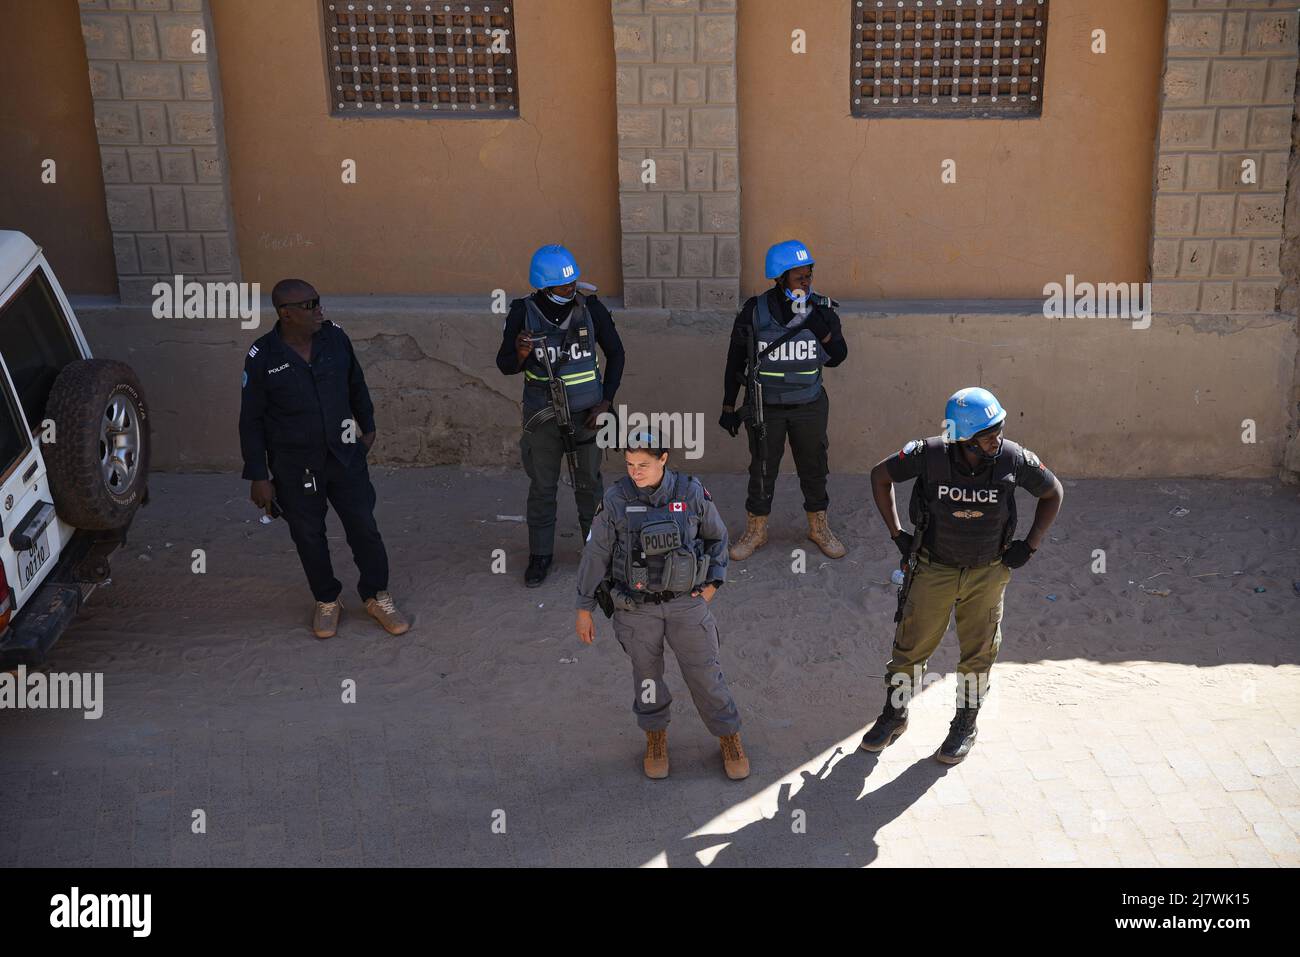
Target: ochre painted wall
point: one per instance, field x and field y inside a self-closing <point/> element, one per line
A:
<point x="1069" y="192"/>
<point x="45" y="113"/>
<point x="1096" y="398"/>
<point x="441" y="206"/>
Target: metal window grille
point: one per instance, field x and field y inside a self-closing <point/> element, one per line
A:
<point x="958" y="58"/>
<point x="426" y="59"/>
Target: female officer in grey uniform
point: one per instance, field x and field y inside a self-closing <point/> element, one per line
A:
<point x="660" y="547"/>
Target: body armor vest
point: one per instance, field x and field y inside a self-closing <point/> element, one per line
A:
<point x="655" y="549"/>
<point x="970" y="519"/>
<point x="794" y="376"/>
<point x="573" y="357"/>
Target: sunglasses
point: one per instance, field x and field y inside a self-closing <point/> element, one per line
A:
<point x="307" y="304"/>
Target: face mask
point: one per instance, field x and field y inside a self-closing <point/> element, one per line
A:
<point x="558" y="300"/>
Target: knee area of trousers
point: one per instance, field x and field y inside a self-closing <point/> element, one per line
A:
<point x="307" y="533"/>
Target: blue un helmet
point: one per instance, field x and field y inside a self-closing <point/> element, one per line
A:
<point x="645" y="441"/>
<point x="552" y="266"/>
<point x="971" y="411"/>
<point x="785" y="256"/>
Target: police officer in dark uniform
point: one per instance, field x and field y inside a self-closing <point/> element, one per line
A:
<point x="795" y="404"/>
<point x="963" y="505"/>
<point x="568" y="325"/>
<point x="660" y="546"/>
<point x="306" y="424"/>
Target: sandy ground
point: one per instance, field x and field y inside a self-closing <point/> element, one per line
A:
<point x="1128" y="726"/>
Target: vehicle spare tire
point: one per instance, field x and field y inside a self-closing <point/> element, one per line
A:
<point x="98" y="463"/>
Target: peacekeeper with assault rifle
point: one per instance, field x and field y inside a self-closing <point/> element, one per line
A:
<point x="961" y="553"/>
<point x="780" y="342"/>
<point x="551" y="337"/>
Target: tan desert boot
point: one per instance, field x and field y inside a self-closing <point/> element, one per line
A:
<point x="325" y="623"/>
<point x="734" y="761"/>
<point x="383" y="610"/>
<point x="820" y="532"/>
<point x="755" y="537"/>
<point x="656" y="754"/>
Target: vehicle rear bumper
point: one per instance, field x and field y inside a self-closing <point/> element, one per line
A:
<point x="82" y="567"/>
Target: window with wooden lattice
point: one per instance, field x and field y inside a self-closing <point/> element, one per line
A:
<point x="421" y="59"/>
<point x="956" y="58"/>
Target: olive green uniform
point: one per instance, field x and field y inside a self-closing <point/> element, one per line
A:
<point x="972" y="593"/>
<point x="936" y="589"/>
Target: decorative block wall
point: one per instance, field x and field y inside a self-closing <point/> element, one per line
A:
<point x="162" y="147"/>
<point x="1229" y="95"/>
<point x="676" y="81"/>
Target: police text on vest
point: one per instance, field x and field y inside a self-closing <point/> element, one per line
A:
<point x="988" y="496"/>
<point x="797" y="350"/>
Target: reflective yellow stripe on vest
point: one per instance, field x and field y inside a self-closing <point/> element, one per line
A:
<point x="575" y="378"/>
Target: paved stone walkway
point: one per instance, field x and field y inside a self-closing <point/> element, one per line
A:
<point x="1126" y="727"/>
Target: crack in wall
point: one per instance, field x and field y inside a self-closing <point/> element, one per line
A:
<point x="1288" y="294"/>
<point x="403" y="347"/>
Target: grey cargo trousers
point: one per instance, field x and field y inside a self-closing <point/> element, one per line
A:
<point x="688" y="626"/>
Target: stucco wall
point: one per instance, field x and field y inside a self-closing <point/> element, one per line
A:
<point x="443" y="206"/>
<point x="1095" y="398"/>
<point x="45" y="113"/>
<point x="1035" y="199"/>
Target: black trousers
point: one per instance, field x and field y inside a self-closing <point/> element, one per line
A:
<point x="542" y="453"/>
<point x="349" y="490"/>
<point x="805" y="427"/>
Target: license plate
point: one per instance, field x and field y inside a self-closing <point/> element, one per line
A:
<point x="31" y="561"/>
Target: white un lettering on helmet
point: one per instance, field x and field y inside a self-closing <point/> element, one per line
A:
<point x="567" y="271"/>
<point x="801" y="254"/>
<point x="990" y="411"/>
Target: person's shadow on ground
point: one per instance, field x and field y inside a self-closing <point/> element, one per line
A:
<point x="836" y="828"/>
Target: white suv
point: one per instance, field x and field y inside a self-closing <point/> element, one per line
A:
<point x="74" y="456"/>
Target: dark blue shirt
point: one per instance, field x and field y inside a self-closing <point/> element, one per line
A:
<point x="299" y="412"/>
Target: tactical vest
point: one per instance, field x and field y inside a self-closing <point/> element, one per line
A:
<point x="971" y="518"/>
<point x="787" y="380"/>
<point x="654" y="547"/>
<point x="573" y="357"/>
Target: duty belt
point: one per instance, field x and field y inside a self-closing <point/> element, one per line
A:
<point x="654" y="597"/>
<point x="923" y="553"/>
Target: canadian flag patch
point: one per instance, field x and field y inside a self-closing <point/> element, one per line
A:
<point x="677" y="507"/>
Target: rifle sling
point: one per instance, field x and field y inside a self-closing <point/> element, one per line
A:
<point x="780" y="341"/>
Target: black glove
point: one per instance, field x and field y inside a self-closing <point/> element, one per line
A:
<point x="731" y="421"/>
<point x="818" y="326"/>
<point x="904" y="542"/>
<point x="1017" y="554"/>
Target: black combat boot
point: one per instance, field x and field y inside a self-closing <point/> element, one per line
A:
<point x="538" y="566"/>
<point x="961" y="737"/>
<point x="889" y="726"/>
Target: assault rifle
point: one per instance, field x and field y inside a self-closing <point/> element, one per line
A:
<point x="559" y="400"/>
<point x="909" y="563"/>
<point x="752" y="410"/>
